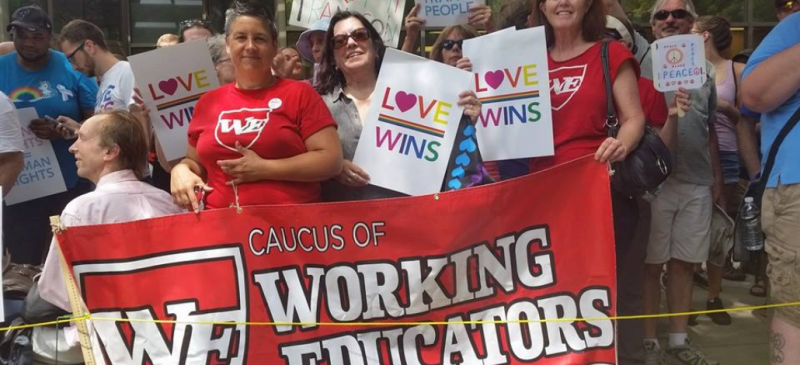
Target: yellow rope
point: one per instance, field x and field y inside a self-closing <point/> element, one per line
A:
<point x="397" y="324"/>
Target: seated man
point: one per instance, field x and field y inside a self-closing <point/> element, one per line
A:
<point x="111" y="152"/>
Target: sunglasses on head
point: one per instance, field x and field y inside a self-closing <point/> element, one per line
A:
<point x="188" y="23"/>
<point x="358" y="35"/>
<point x="676" y="14"/>
<point x="449" y="44"/>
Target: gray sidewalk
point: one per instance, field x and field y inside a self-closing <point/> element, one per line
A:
<point x="744" y="342"/>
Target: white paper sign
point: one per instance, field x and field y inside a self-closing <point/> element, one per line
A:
<point x="171" y="79"/>
<point x="412" y="123"/>
<point x="41" y="175"/>
<point x="385" y="15"/>
<point x="442" y="13"/>
<point x="679" y="62"/>
<point x="514" y="88"/>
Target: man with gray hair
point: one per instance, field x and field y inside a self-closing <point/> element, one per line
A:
<point x="221" y="59"/>
<point x="680" y="228"/>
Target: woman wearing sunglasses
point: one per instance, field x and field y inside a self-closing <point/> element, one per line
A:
<point x="260" y="140"/>
<point x="347" y="77"/>
<point x="192" y="29"/>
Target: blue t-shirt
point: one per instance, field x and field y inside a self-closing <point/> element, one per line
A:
<point x="784" y="36"/>
<point x="56" y="89"/>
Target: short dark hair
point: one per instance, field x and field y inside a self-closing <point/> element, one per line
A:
<point x="121" y="128"/>
<point x="329" y="76"/>
<point x="79" y="31"/>
<point x="593" y="25"/>
<point x="253" y="9"/>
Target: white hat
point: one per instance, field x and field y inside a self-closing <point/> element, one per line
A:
<point x="304" y="43"/>
<point x="615" y="24"/>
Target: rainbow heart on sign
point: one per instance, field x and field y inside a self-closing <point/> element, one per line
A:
<point x="405" y="101"/>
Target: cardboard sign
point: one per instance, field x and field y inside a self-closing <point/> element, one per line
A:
<point x="385" y="15"/>
<point x="679" y="62"/>
<point x="171" y="81"/>
<point x="438" y="13"/>
<point x="335" y="280"/>
<point x="41" y="175"/>
<point x="514" y="88"/>
<point x="408" y="136"/>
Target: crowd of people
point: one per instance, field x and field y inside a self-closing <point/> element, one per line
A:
<point x="114" y="169"/>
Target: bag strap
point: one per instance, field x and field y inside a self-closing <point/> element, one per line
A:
<point x="773" y="150"/>
<point x="611" y="113"/>
<point x="735" y="85"/>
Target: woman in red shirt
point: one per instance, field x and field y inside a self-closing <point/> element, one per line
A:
<point x="574" y="32"/>
<point x="261" y="140"/>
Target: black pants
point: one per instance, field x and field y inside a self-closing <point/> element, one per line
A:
<point x="26" y="226"/>
<point x="630" y="254"/>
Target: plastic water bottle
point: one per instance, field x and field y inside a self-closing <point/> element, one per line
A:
<point x="751" y="233"/>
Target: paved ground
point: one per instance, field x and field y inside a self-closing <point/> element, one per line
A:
<point x="744" y="342"/>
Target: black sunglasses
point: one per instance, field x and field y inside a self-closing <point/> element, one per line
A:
<point x="72" y="55"/>
<point x="676" y="14"/>
<point x="188" y="23"/>
<point x="449" y="44"/>
<point x="358" y="35"/>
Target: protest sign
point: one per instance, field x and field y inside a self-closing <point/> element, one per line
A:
<point x="41" y="174"/>
<point x="171" y="81"/>
<point x="411" y="124"/>
<point x="679" y="62"/>
<point x="514" y="87"/>
<point x="385" y="15"/>
<point x="360" y="282"/>
<point x="442" y="13"/>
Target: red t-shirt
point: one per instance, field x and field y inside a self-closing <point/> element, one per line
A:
<point x="273" y="122"/>
<point x="578" y="102"/>
<point x="653" y="103"/>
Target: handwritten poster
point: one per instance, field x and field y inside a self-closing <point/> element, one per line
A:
<point x="41" y="175"/>
<point x="406" y="142"/>
<point x="171" y="81"/>
<point x="679" y="62"/>
<point x="514" y="88"/>
<point x="385" y="15"/>
<point x="441" y="13"/>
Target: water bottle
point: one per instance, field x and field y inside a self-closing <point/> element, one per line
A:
<point x="750" y="231"/>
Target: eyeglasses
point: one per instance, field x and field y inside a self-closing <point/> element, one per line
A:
<point x="676" y="14"/>
<point x="72" y="55"/>
<point x="188" y="23"/>
<point x="449" y="44"/>
<point x="358" y="35"/>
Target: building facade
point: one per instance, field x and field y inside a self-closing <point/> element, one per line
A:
<point x="133" y="26"/>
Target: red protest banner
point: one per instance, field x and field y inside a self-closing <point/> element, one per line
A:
<point x="506" y="255"/>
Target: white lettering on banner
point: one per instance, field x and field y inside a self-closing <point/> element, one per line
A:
<point x="355" y="292"/>
<point x="149" y="340"/>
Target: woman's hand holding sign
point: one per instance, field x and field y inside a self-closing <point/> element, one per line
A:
<point x="352" y="175"/>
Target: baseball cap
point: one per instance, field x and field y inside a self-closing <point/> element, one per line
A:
<point x="304" y="43"/>
<point x="614" y="24"/>
<point x="31" y="18"/>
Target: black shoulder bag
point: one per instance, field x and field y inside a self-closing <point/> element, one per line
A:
<point x="647" y="166"/>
